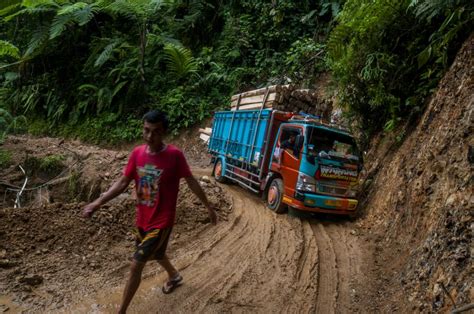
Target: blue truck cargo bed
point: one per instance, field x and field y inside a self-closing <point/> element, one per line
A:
<point x="240" y="134"/>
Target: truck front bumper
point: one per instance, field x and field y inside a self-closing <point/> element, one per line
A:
<point x="322" y="203"/>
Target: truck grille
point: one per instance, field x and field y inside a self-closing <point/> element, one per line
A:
<point x="331" y="190"/>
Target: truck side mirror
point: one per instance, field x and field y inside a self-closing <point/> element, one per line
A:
<point x="299" y="141"/>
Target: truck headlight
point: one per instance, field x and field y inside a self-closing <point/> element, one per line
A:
<point x="351" y="193"/>
<point x="305" y="183"/>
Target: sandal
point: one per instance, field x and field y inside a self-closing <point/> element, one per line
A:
<point x="171" y="284"/>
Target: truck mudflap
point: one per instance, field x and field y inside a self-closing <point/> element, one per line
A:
<point x="322" y="203"/>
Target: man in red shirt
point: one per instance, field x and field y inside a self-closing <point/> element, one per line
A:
<point x="156" y="168"/>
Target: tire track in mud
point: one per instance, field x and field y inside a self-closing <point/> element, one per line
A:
<point x="257" y="261"/>
<point x="328" y="278"/>
<point x="339" y="269"/>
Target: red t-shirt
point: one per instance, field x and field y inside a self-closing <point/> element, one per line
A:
<point x="157" y="184"/>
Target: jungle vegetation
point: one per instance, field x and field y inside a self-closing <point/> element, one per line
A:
<point x="90" y="69"/>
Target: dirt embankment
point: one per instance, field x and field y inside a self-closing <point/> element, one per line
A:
<point x="420" y="199"/>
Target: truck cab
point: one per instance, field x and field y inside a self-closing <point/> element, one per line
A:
<point x="314" y="167"/>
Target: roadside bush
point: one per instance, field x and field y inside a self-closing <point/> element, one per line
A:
<point x="387" y="56"/>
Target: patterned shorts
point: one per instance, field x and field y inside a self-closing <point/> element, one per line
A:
<point x="151" y="244"/>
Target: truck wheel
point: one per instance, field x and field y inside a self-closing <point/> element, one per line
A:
<point x="275" y="197"/>
<point x="218" y="172"/>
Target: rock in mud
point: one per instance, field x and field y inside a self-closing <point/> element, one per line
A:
<point x="32" y="280"/>
<point x="205" y="179"/>
<point x="4" y="308"/>
<point x="6" y="263"/>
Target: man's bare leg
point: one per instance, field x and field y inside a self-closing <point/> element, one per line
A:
<point x="166" y="264"/>
<point x="132" y="285"/>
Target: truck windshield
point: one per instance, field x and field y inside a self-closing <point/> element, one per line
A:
<point x="327" y="144"/>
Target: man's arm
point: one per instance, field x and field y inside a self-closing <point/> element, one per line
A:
<point x="116" y="189"/>
<point x="196" y="188"/>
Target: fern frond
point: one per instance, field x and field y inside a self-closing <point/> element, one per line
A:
<point x="125" y="8"/>
<point x="9" y="6"/>
<point x="39" y="3"/>
<point x="105" y="54"/>
<point x="8" y="3"/>
<point x="86" y="14"/>
<point x="118" y="87"/>
<point x="338" y="40"/>
<point x="59" y="24"/>
<point x="71" y="8"/>
<point x="179" y="61"/>
<point x="428" y="9"/>
<point x="8" y="49"/>
<point x="39" y="37"/>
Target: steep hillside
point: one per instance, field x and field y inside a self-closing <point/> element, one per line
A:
<point x="420" y="199"/>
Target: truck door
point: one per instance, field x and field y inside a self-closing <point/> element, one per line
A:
<point x="287" y="158"/>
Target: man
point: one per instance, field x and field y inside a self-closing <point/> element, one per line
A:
<point x="157" y="169"/>
<point x="289" y="143"/>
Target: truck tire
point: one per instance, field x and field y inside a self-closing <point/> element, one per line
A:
<point x="218" y="172"/>
<point x="275" y="197"/>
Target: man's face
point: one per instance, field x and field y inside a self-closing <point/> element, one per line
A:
<point x="153" y="134"/>
<point x="292" y="138"/>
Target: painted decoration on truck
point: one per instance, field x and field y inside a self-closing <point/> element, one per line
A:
<point x="338" y="173"/>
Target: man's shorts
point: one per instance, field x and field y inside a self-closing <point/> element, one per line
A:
<point x="151" y="244"/>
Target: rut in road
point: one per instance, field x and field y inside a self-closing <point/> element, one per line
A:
<point x="259" y="261"/>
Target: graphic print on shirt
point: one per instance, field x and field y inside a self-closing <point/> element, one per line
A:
<point x="148" y="184"/>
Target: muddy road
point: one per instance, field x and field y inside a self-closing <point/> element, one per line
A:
<point x="258" y="261"/>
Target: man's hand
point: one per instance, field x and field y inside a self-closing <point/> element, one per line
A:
<point x="89" y="209"/>
<point x="197" y="189"/>
<point x="117" y="188"/>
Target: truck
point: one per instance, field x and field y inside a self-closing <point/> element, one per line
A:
<point x="291" y="159"/>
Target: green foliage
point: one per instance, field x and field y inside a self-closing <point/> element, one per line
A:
<point x="91" y="68"/>
<point x="387" y="56"/>
<point x="5" y="158"/>
<point x="9" y="50"/>
<point x="10" y="124"/>
<point x="48" y="166"/>
<point x="182" y="110"/>
<point x="179" y="61"/>
<point x="52" y="163"/>
<point x="305" y="59"/>
<point x="79" y="12"/>
<point x="74" y="185"/>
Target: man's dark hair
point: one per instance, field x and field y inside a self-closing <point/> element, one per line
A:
<point x="156" y="116"/>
